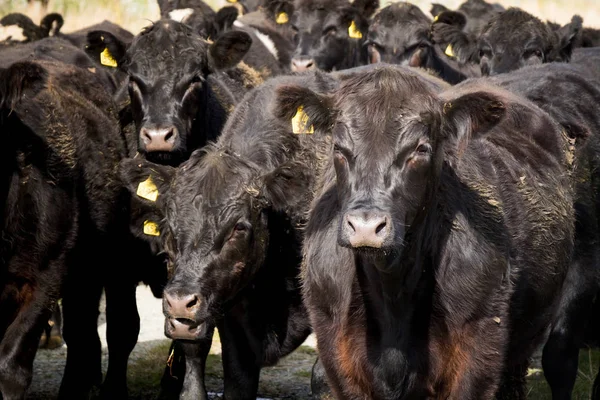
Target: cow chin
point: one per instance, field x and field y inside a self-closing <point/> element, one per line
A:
<point x="184" y="329"/>
<point x="172" y="158"/>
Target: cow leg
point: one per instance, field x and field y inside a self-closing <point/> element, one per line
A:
<point x="318" y="381"/>
<point x="596" y="388"/>
<point x="513" y="383"/>
<point x="52" y="336"/>
<point x="81" y="300"/>
<point x="122" y="330"/>
<point x="195" y="364"/>
<point x="20" y="342"/>
<point x="241" y="366"/>
<point x="171" y="382"/>
<point x="560" y="358"/>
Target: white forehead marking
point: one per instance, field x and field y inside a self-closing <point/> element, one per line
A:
<point x="181" y="14"/>
<point x="11" y="32"/>
<point x="264" y="39"/>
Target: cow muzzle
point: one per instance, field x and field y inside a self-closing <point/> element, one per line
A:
<point x="366" y="229"/>
<point x="181" y="316"/>
<point x="159" y="139"/>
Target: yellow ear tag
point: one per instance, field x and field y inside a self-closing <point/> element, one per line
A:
<point x="353" y="31"/>
<point x="449" y="51"/>
<point x="436" y="18"/>
<point x="282" y="18"/>
<point x="107" y="59"/>
<point x="151" y="228"/>
<point x="299" y="123"/>
<point x="147" y="190"/>
<point x="232" y="1"/>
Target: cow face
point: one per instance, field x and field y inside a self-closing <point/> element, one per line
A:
<point x="399" y="34"/>
<point x="215" y="231"/>
<point x="515" y="39"/>
<point x="390" y="131"/>
<point x="329" y="32"/>
<point x="168" y="65"/>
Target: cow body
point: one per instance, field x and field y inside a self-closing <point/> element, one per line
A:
<point x="248" y="285"/>
<point x="400" y="34"/>
<point x="330" y="34"/>
<point x="432" y="265"/>
<point x="569" y="93"/>
<point x="62" y="202"/>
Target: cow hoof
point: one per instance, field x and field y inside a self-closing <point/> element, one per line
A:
<point x="53" y="342"/>
<point x="318" y="383"/>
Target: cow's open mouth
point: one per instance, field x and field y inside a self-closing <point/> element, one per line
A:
<point x="184" y="329"/>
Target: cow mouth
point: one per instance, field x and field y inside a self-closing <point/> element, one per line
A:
<point x="171" y="158"/>
<point x="184" y="329"/>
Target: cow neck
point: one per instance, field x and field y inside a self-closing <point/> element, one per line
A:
<point x="212" y="112"/>
<point x="355" y="56"/>
<point x="398" y="296"/>
<point x="448" y="72"/>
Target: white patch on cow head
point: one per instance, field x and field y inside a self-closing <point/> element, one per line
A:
<point x="12" y="32"/>
<point x="181" y="14"/>
<point x="265" y="39"/>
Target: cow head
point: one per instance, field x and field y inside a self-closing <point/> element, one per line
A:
<point x="168" y="66"/>
<point x="329" y="33"/>
<point x="215" y="232"/>
<point x="399" y="34"/>
<point x="391" y="135"/>
<point x="514" y="39"/>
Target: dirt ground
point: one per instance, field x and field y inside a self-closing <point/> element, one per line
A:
<point x="290" y="379"/>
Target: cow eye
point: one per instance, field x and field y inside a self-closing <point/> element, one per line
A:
<point x="331" y="31"/>
<point x="485" y="53"/>
<point x="424" y="149"/>
<point x="240" y="227"/>
<point x="533" y="53"/>
<point x="196" y="79"/>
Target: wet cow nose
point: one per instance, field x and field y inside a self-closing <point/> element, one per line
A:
<point x="159" y="139"/>
<point x="367" y="230"/>
<point x="302" y="64"/>
<point x="182" y="307"/>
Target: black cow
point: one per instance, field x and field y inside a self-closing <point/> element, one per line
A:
<point x="590" y="37"/>
<point x="438" y="243"/>
<point x="511" y="40"/>
<point x="181" y="86"/>
<point x="49" y="26"/>
<point x="475" y="14"/>
<point x="62" y="222"/>
<point x="400" y="34"/>
<point x="570" y="94"/>
<point x="234" y="217"/>
<point x="330" y="33"/>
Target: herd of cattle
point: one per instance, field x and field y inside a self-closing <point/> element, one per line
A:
<point x="282" y="167"/>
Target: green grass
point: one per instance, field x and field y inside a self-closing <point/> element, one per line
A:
<point x="589" y="360"/>
<point x="290" y="378"/>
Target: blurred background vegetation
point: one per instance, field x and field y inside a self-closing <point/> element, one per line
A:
<point x="135" y="14"/>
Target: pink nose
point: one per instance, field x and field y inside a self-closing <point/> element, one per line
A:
<point x="159" y="139"/>
<point x="367" y="230"/>
<point x="302" y="64"/>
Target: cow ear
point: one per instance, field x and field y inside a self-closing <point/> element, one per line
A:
<point x="225" y="18"/>
<point x="436" y="9"/>
<point x="568" y="36"/>
<point x="279" y="11"/>
<point x="365" y="8"/>
<point x="105" y="49"/>
<point x="303" y="109"/>
<point x="146" y="181"/>
<point x="228" y="50"/>
<point x="30" y="30"/>
<point x="51" y="24"/>
<point x="18" y="78"/>
<point x="284" y="189"/>
<point x="474" y="114"/>
<point x="453" y="18"/>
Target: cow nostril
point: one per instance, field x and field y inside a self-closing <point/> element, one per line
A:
<point x="192" y="303"/>
<point x="351" y="226"/>
<point x="380" y="227"/>
<point x="170" y="135"/>
<point x="309" y="64"/>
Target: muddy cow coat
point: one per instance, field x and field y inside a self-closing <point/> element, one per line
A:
<point x="437" y="246"/>
<point x="234" y="214"/>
